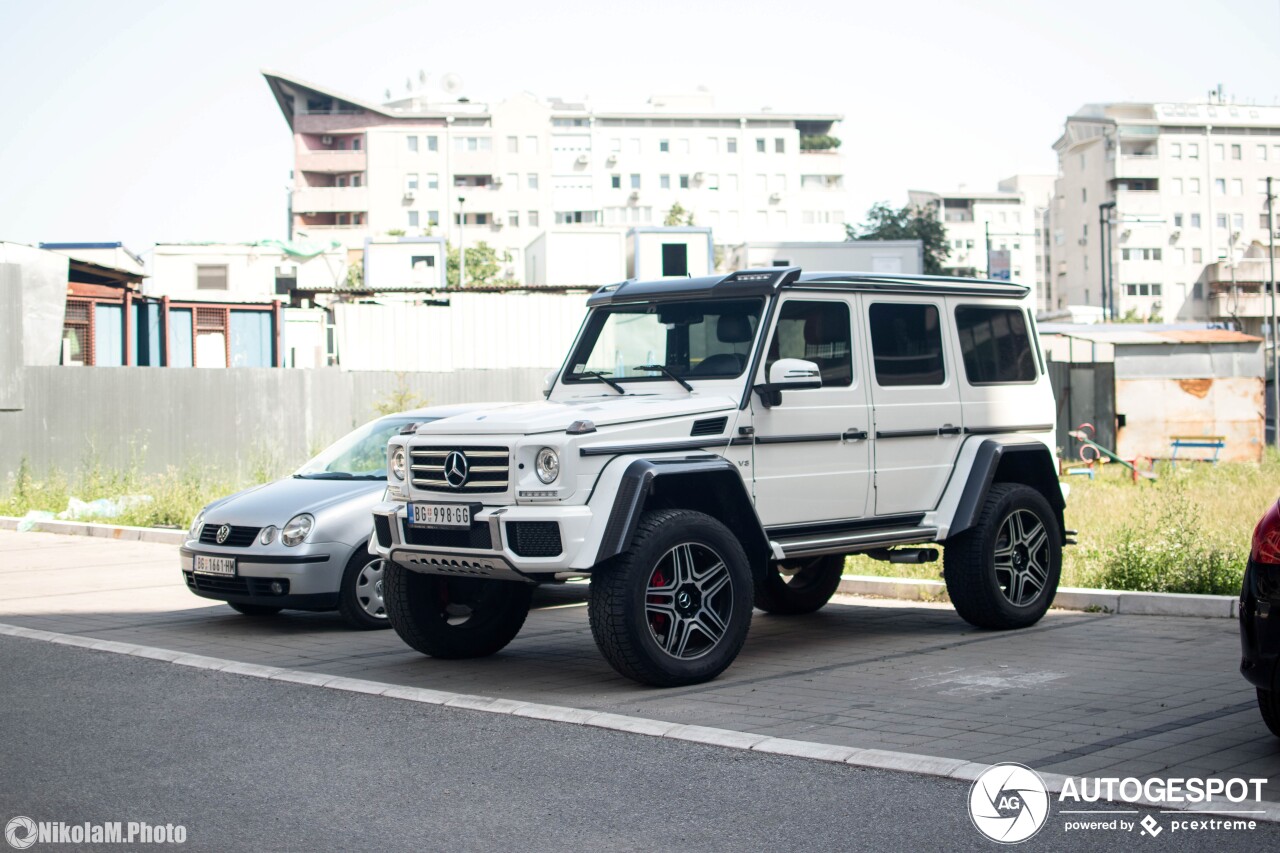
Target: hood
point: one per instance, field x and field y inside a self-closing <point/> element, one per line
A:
<point x="555" y="416"/>
<point x="276" y="503"/>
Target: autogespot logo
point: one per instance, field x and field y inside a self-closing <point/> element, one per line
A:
<point x="20" y="832"/>
<point x="1009" y="803"/>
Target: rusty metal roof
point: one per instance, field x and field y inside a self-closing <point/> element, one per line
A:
<point x="1130" y="335"/>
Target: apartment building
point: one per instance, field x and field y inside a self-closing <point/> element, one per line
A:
<point x="996" y="234"/>
<point x="505" y="172"/>
<point x="1159" y="210"/>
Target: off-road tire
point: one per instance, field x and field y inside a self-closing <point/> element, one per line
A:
<point x="620" y="600"/>
<point x="1269" y="705"/>
<point x="417" y="610"/>
<point x="254" y="609"/>
<point x="350" y="593"/>
<point x="809" y="588"/>
<point x="970" y="561"/>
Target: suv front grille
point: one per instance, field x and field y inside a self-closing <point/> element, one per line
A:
<point x="487" y="469"/>
<point x="239" y="537"/>
<point x="476" y="536"/>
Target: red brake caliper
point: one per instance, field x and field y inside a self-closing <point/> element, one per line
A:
<point x="658" y="580"/>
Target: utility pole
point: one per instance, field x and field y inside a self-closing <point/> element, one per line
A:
<point x="1275" y="338"/>
<point x="462" y="249"/>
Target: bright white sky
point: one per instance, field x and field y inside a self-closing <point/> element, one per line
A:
<point x="148" y="122"/>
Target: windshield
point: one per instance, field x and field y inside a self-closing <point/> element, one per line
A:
<point x="705" y="339"/>
<point x="360" y="454"/>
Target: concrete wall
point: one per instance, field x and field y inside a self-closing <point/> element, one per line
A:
<point x="234" y="420"/>
<point x="43" y="277"/>
<point x="11" y="372"/>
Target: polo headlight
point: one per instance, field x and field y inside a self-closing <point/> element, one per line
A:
<point x="547" y="465"/>
<point x="398" y="463"/>
<point x="297" y="529"/>
<point x="196" y="524"/>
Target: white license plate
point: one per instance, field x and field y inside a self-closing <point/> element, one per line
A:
<point x="206" y="565"/>
<point x="440" y="515"/>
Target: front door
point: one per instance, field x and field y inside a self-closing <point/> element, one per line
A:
<point x="811" y="456"/>
<point x="916" y="399"/>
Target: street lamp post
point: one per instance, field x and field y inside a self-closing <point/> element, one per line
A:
<point x="462" y="249"/>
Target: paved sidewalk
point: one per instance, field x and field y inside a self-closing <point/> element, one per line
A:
<point x="1077" y="694"/>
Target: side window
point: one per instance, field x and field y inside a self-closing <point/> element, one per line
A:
<point x="995" y="345"/>
<point x="817" y="332"/>
<point x="906" y="342"/>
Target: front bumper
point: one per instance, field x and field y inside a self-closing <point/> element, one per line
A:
<point x="308" y="581"/>
<point x="1260" y="626"/>
<point x="489" y="549"/>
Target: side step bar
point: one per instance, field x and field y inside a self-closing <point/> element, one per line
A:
<point x="848" y="543"/>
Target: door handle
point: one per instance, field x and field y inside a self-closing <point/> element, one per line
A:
<point x="948" y="429"/>
<point x="853" y="435"/>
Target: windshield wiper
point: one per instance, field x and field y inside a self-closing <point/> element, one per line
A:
<point x="604" y="377"/>
<point x="670" y="374"/>
<point x="337" y="475"/>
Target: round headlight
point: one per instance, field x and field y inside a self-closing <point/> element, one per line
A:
<point x="297" y="529"/>
<point x="547" y="465"/>
<point x="268" y="535"/>
<point x="196" y="524"/>
<point x="397" y="463"/>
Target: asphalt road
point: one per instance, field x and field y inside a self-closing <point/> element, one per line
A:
<point x="247" y="764"/>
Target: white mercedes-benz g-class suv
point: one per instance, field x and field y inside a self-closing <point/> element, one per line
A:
<point x="716" y="443"/>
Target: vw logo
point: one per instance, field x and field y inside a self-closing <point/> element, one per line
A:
<point x="223" y="532"/>
<point x="456" y="469"/>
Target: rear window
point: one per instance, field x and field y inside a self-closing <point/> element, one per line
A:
<point x="995" y="345"/>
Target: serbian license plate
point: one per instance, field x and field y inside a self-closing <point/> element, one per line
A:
<point x="207" y="565"/>
<point x="440" y="515"/>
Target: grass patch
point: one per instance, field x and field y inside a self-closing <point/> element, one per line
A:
<point x="1188" y="531"/>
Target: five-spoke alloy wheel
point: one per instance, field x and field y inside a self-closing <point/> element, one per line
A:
<point x="1003" y="571"/>
<point x="674" y="608"/>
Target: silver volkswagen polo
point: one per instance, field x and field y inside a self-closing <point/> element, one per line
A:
<point x="302" y="542"/>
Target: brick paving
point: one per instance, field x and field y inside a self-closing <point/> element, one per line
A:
<point x="1081" y="694"/>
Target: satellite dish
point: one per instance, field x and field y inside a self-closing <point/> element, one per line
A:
<point x="451" y="83"/>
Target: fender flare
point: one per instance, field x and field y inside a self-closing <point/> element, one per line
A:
<point x="709" y="484"/>
<point x="1029" y="463"/>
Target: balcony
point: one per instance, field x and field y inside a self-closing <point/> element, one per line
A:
<point x="1225" y="304"/>
<point x="325" y="160"/>
<point x="1138" y="166"/>
<point x="330" y="200"/>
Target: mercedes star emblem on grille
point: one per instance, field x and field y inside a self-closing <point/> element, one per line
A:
<point x="456" y="469"/>
<point x="223" y="532"/>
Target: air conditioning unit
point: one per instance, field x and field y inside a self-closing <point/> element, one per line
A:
<point x="775" y="197"/>
<point x="1082" y="241"/>
<point x="697" y="176"/>
<point x="495" y="181"/>
<point x="326" y="140"/>
<point x="635" y="195"/>
<point x="410" y="195"/>
<point x="583" y="160"/>
<point x="613" y="158"/>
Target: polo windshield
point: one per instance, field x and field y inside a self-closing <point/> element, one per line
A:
<point x="704" y="339"/>
<point x="359" y="455"/>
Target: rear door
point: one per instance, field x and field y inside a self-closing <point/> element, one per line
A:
<point x="915" y="394"/>
<point x="811" y="454"/>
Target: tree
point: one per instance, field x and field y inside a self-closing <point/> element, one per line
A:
<point x="482" y="265"/>
<point x="677" y="215"/>
<point x="908" y="223"/>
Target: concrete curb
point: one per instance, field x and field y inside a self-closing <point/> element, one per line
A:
<point x="881" y="759"/>
<point x="120" y="532"/>
<point x="1068" y="598"/>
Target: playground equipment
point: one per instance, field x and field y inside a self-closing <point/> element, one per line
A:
<point x="1091" y="453"/>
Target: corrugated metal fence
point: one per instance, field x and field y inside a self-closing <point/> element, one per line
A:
<point x="236" y="420"/>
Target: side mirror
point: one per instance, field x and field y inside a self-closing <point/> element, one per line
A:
<point x="549" y="381"/>
<point x="788" y="374"/>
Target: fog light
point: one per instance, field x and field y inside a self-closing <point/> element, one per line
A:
<point x="277" y="588"/>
